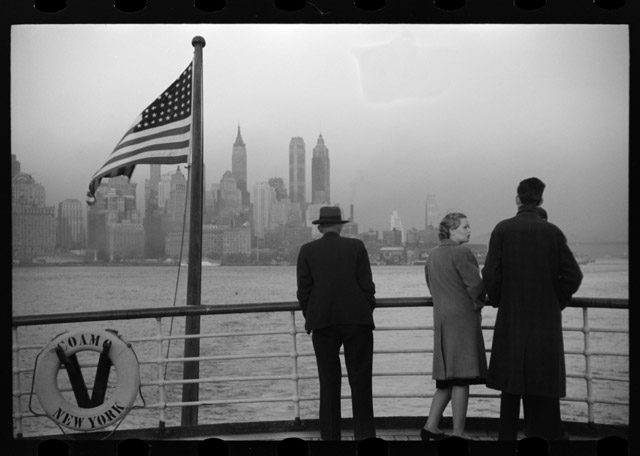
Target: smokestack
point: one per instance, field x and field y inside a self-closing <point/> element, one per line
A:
<point x="351" y="213"/>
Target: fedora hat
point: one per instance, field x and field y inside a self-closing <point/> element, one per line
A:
<point x="329" y="215"/>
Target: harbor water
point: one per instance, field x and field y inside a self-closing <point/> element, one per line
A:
<point x="61" y="289"/>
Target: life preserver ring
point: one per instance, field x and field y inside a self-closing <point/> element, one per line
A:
<point x="114" y="407"/>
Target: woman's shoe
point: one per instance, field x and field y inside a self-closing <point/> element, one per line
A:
<point x="428" y="435"/>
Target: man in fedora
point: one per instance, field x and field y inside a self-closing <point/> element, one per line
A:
<point x="336" y="294"/>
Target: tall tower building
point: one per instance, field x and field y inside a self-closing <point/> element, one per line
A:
<point x="71" y="221"/>
<point x="264" y="196"/>
<point x="396" y="224"/>
<point x="278" y="184"/>
<point x="153" y="230"/>
<point x="175" y="205"/>
<point x="15" y="165"/>
<point x="432" y="216"/>
<point x="239" y="167"/>
<point x="320" y="176"/>
<point x="155" y="174"/>
<point x="230" y="195"/>
<point x="297" y="181"/>
<point x="164" y="190"/>
<point x="151" y="189"/>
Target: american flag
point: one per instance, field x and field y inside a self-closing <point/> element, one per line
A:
<point x="161" y="134"/>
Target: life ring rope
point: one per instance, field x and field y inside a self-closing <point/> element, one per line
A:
<point x="110" y="412"/>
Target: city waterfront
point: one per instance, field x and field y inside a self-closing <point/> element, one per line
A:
<point x="46" y="290"/>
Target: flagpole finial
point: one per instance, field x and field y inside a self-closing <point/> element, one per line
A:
<point x="198" y="41"/>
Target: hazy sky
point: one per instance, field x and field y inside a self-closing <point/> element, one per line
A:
<point x="463" y="112"/>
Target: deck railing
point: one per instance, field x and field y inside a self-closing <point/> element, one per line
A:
<point x="292" y="329"/>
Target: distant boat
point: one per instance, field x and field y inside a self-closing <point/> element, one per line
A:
<point x="204" y="263"/>
<point x="584" y="259"/>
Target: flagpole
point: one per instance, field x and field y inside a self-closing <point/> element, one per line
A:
<point x="190" y="391"/>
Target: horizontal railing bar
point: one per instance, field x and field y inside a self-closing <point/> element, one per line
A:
<point x="611" y="402"/>
<point x="315" y="397"/>
<point x="208" y="336"/>
<point x="222" y="309"/>
<point x="224" y="379"/>
<point x="229" y="357"/>
<point x="610" y="379"/>
<point x="488" y="350"/>
<point x="404" y="328"/>
<point x="596" y="353"/>
<point x="581" y="329"/>
<point x="233" y="401"/>
<point x="312" y="377"/>
<point x="608" y="330"/>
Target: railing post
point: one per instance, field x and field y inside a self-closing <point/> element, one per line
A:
<point x="162" y="368"/>
<point x="587" y="358"/>
<point x="295" y="376"/>
<point x="17" y="407"/>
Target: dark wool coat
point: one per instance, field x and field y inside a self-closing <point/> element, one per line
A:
<point x="530" y="275"/>
<point x="335" y="283"/>
<point x="453" y="278"/>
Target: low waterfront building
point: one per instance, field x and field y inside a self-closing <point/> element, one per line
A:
<point x="126" y="241"/>
<point x="33" y="231"/>
<point x="393" y="255"/>
<point x="33" y="224"/>
<point x="392" y="238"/>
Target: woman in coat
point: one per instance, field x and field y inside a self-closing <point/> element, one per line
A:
<point x="453" y="277"/>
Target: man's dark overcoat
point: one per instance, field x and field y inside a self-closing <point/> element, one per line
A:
<point x="530" y="274"/>
<point x="335" y="284"/>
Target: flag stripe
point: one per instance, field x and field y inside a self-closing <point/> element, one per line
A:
<point x="150" y="139"/>
<point x="171" y="157"/>
<point x="172" y="146"/>
<point x="160" y="134"/>
<point x="155" y="159"/>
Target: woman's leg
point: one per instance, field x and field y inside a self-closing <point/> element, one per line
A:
<point x="459" y="402"/>
<point x="440" y="400"/>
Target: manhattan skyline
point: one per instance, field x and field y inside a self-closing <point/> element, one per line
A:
<point x="460" y="112"/>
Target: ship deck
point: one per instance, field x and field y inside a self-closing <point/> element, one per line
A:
<point x="395" y="436"/>
<point x="388" y="429"/>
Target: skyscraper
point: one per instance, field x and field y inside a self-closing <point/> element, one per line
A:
<point x="297" y="182"/>
<point x="71" y="221"/>
<point x="396" y="224"/>
<point x="175" y="205"/>
<point x="278" y="184"/>
<point x="230" y="196"/>
<point x="239" y="167"/>
<point x="320" y="173"/>
<point x="264" y="195"/>
<point x="153" y="230"/>
<point x="432" y="217"/>
<point x="151" y="190"/>
<point x="15" y="165"/>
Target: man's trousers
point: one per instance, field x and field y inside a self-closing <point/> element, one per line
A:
<point x="541" y="417"/>
<point x="357" y="341"/>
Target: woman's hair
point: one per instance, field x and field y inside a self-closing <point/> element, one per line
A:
<point x="450" y="222"/>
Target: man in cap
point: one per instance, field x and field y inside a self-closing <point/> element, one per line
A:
<point x="336" y="295"/>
